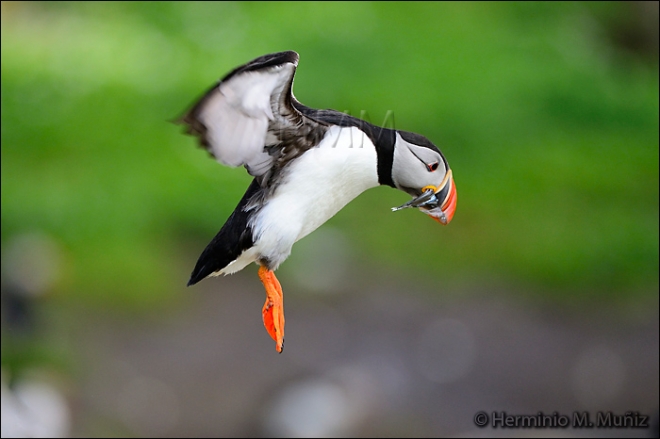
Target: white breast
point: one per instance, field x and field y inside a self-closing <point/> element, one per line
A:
<point x="316" y="186"/>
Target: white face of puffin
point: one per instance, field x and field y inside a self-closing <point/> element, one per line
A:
<point x="420" y="170"/>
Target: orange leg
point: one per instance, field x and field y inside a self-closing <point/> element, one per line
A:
<point x="273" y="310"/>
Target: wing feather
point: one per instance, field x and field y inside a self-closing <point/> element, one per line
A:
<point x="240" y="120"/>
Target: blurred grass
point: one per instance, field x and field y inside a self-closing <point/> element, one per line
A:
<point x="549" y="122"/>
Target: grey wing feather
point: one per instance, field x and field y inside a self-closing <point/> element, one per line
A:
<point x="248" y="118"/>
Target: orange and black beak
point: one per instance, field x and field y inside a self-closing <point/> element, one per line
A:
<point x="437" y="202"/>
<point x="444" y="210"/>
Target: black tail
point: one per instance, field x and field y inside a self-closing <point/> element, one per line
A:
<point x="233" y="239"/>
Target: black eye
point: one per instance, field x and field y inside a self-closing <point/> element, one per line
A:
<point x="432" y="167"/>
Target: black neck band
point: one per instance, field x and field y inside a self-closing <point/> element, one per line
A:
<point x="385" y="150"/>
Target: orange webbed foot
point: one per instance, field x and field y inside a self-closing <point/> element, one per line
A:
<point x="273" y="310"/>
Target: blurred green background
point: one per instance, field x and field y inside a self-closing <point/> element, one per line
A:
<point x="547" y="113"/>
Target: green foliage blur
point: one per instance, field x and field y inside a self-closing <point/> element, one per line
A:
<point x="546" y="112"/>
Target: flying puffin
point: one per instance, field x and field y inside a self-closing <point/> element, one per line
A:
<point x="307" y="165"/>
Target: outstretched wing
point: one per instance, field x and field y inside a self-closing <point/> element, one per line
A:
<point x="248" y="118"/>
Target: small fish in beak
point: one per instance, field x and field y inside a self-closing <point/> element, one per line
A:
<point x="439" y="203"/>
<point x="427" y="198"/>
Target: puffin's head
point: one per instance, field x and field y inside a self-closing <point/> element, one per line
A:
<point x="420" y="169"/>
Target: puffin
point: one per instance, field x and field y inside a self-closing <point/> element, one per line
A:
<point x="307" y="165"/>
